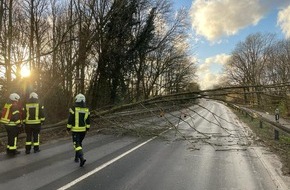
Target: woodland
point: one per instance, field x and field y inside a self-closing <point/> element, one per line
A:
<point x="124" y="51"/>
<point x="114" y="52"/>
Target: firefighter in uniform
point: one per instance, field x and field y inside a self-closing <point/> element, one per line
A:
<point x="33" y="119"/>
<point x="79" y="124"/>
<point x="11" y="118"/>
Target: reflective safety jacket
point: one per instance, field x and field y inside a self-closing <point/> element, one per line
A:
<point x="33" y="112"/>
<point x="79" y="119"/>
<point x="11" y="114"/>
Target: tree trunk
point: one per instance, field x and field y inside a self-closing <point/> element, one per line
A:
<point x="9" y="45"/>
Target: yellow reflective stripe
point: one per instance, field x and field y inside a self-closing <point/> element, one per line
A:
<point x="68" y="126"/>
<point x="71" y="111"/>
<point x="86" y="115"/>
<point x="15" y="146"/>
<point x="28" y="143"/>
<point x="15" y="112"/>
<point x="15" y="142"/>
<point x="37" y="143"/>
<point x="7" y="106"/>
<point x="12" y="123"/>
<point x="5" y="119"/>
<point x="36" y="120"/>
<point x="37" y="112"/>
<point x="27" y="113"/>
<point x="88" y="126"/>
<point x="78" y="148"/>
<point x="78" y="129"/>
<point x="33" y="122"/>
<point x="77" y="117"/>
<point x="17" y="122"/>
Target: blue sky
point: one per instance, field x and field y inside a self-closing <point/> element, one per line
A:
<point x="218" y="25"/>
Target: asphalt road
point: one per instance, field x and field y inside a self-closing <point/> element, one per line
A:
<point x="208" y="148"/>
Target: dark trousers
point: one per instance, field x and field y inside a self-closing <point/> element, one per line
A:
<point x="78" y="138"/>
<point x="32" y="136"/>
<point x="12" y="134"/>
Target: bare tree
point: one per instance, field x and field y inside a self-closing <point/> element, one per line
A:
<point x="112" y="51"/>
<point x="247" y="63"/>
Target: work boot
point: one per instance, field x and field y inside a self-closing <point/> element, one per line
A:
<point x="36" y="151"/>
<point x="15" y="152"/>
<point x="83" y="161"/>
<point x="27" y="151"/>
<point x="9" y="152"/>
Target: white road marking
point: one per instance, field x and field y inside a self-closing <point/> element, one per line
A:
<point x="103" y="166"/>
<point x="72" y="183"/>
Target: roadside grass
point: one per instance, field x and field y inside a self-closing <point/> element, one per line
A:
<point x="265" y="136"/>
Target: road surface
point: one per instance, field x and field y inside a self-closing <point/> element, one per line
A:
<point x="206" y="148"/>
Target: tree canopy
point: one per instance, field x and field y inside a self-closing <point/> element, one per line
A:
<point x="114" y="52"/>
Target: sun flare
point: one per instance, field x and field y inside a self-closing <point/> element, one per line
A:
<point x="25" y="71"/>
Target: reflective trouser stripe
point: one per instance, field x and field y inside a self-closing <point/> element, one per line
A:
<point x="78" y="148"/>
<point x="34" y="143"/>
<point x="37" y="142"/>
<point x="13" y="147"/>
<point x="31" y="122"/>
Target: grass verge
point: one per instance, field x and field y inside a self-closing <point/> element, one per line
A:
<point x="265" y="136"/>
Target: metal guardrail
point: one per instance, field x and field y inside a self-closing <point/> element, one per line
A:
<point x="277" y="126"/>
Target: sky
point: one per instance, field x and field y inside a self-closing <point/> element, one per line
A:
<point x="218" y="25"/>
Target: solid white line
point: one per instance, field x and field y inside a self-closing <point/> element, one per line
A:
<point x="110" y="162"/>
<point x="103" y="166"/>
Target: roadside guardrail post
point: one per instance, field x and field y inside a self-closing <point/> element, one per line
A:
<point x="276" y="135"/>
<point x="277" y="115"/>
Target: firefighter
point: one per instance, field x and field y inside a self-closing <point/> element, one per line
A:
<point x="79" y="124"/>
<point x="11" y="118"/>
<point x="33" y="119"/>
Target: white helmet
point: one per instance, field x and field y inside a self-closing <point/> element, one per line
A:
<point x="14" y="97"/>
<point x="33" y="95"/>
<point x="80" y="98"/>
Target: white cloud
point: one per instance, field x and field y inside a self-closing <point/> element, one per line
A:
<point x="216" y="18"/>
<point x="218" y="59"/>
<point x="284" y="21"/>
<point x="210" y="80"/>
<point x="207" y="72"/>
